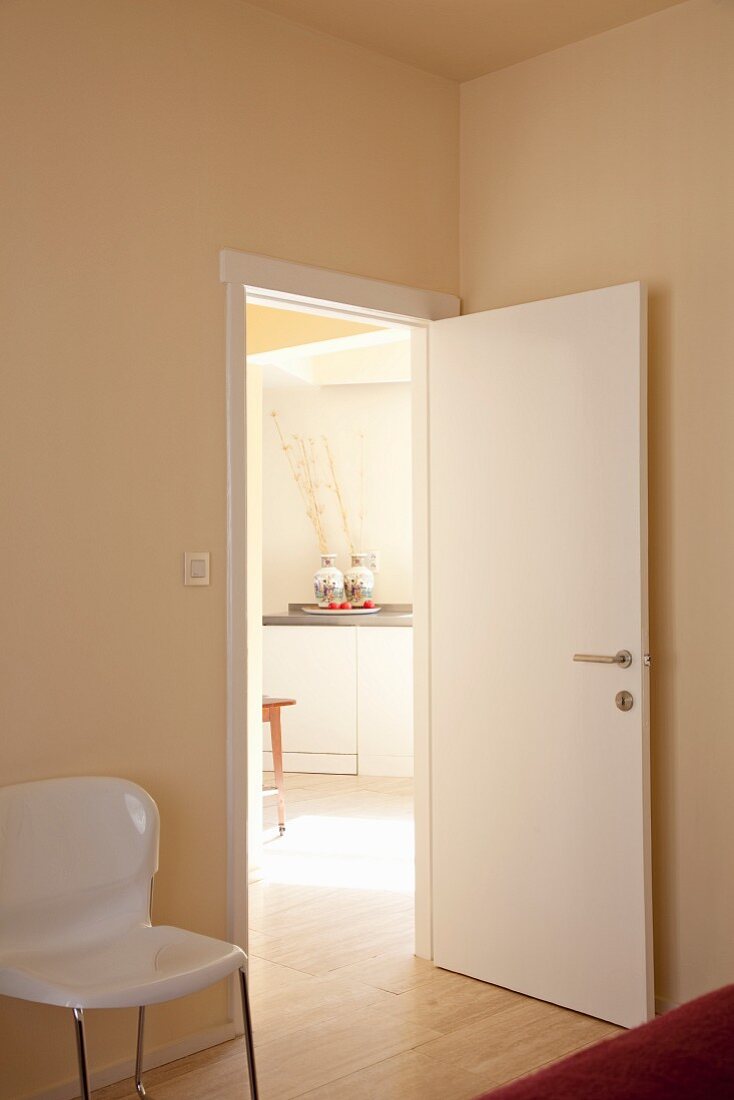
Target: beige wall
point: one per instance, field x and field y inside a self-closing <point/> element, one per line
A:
<point x="603" y="162"/>
<point x="290" y="548"/>
<point x="139" y="137"/>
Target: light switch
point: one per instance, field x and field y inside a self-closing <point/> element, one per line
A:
<point x="196" y="567"/>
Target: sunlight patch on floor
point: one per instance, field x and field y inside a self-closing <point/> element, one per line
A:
<point x="343" y="852"/>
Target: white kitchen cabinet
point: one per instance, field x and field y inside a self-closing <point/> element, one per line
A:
<point x="354" y="692"/>
<point x="385" y="701"/>
<point x="317" y="666"/>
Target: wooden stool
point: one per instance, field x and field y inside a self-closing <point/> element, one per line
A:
<point x="271" y="714"/>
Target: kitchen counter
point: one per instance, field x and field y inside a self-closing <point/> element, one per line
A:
<point x="391" y="614"/>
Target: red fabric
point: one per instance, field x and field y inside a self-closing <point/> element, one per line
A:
<point x="687" y="1054"/>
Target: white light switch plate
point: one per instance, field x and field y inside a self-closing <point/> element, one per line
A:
<point x="196" y="567"/>
<point x="373" y="560"/>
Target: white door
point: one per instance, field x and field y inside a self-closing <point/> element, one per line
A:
<point x="540" y="784"/>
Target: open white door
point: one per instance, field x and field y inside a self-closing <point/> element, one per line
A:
<point x="540" y="788"/>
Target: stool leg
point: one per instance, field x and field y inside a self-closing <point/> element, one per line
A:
<point x="81" y="1050"/>
<point x="277" y="742"/>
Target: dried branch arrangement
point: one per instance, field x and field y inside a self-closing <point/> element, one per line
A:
<point x="303" y="459"/>
<point x="361" y="489"/>
<point x="336" y="489"/>
<point x="303" y="466"/>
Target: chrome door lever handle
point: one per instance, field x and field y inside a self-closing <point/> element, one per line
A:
<point x="623" y="658"/>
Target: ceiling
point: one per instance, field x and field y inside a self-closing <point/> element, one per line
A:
<point x="269" y="329"/>
<point x="294" y="348"/>
<point x="462" y="39"/>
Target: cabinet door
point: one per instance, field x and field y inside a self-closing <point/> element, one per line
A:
<point x="385" y="700"/>
<point x="316" y="666"/>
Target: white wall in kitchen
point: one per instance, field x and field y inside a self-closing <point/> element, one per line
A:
<point x="341" y="412"/>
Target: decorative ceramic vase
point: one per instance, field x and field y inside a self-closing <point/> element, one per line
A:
<point x="328" y="582"/>
<point x="359" y="581"/>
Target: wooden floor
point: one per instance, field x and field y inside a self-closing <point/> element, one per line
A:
<point x="342" y="1009"/>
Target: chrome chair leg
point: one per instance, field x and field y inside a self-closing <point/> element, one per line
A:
<point x="139" y="1087"/>
<point x="249" y="1043"/>
<point x="81" y="1050"/>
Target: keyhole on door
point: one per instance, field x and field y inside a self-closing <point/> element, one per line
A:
<point x="624" y="700"/>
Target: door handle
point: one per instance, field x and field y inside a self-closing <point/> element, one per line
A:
<point x="623" y="658"/>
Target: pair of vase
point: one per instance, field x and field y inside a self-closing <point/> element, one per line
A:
<point x="330" y="585"/>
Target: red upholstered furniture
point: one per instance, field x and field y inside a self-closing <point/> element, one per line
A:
<point x="688" y="1054"/>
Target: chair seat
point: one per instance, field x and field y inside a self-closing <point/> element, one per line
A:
<point x="142" y="966"/>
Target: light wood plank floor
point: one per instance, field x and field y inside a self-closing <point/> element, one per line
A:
<point x="342" y="1009"/>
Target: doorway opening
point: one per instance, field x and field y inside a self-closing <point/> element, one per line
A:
<point x="254" y="278"/>
<point x="330" y="470"/>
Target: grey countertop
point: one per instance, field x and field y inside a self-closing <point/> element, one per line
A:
<point x="391" y="614"/>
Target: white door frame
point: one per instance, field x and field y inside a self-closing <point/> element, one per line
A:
<point x="333" y="292"/>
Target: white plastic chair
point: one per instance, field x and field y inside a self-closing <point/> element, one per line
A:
<point x="77" y="860"/>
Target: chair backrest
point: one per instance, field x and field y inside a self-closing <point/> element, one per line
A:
<point x="76" y="860"/>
